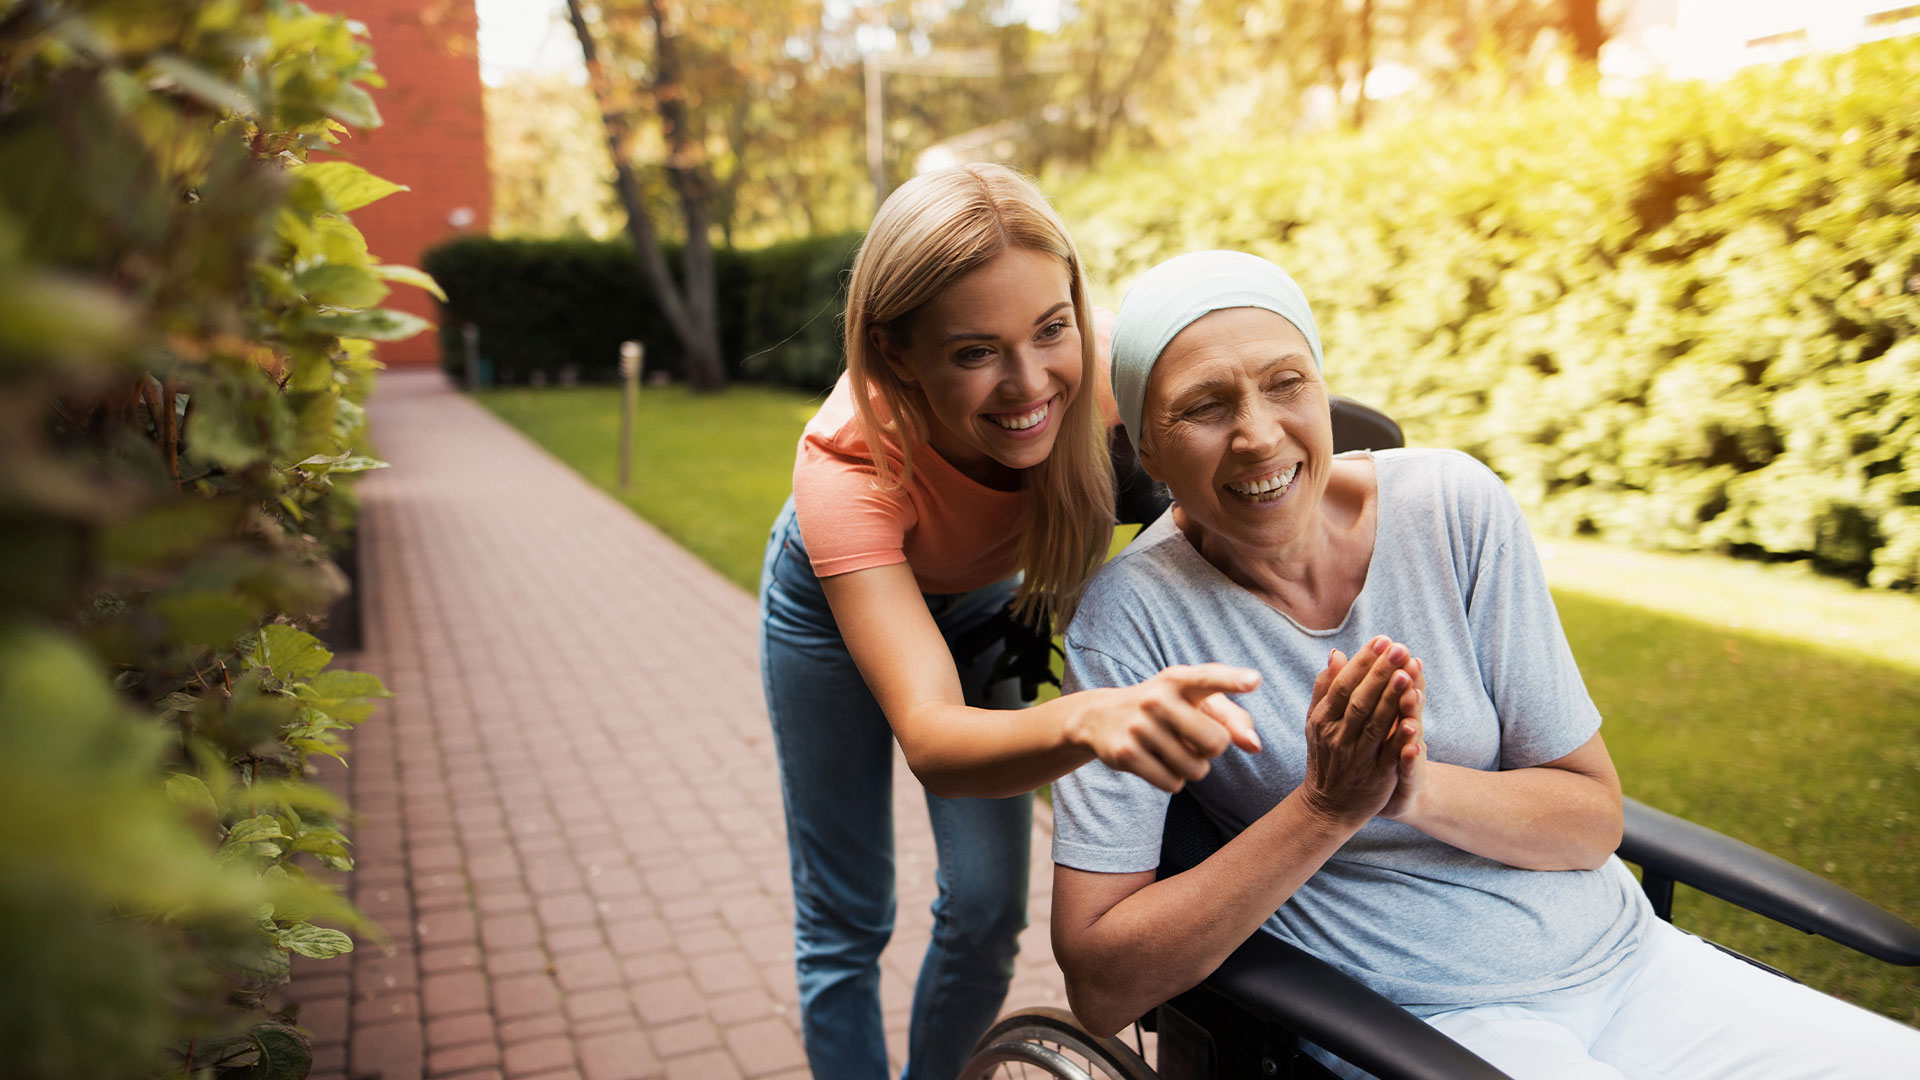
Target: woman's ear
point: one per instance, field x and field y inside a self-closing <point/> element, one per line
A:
<point x="1144" y="455"/>
<point x="882" y="345"/>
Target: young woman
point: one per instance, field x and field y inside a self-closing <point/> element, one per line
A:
<point x="959" y="465"/>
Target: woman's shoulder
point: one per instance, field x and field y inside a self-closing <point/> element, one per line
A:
<point x="1452" y="479"/>
<point x="1140" y="577"/>
<point x="835" y="426"/>
<point x="1430" y="493"/>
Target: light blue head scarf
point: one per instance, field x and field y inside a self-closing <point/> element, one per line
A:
<point x="1172" y="295"/>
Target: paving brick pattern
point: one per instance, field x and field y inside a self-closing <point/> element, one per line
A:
<point x="570" y="821"/>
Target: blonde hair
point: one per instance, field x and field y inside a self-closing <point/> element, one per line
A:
<point x="934" y="230"/>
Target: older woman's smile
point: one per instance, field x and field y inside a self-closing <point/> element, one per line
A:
<point x="1266" y="488"/>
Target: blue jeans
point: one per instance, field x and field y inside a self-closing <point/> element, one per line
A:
<point x="836" y="769"/>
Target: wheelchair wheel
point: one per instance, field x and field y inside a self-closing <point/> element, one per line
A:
<point x="1049" y="1042"/>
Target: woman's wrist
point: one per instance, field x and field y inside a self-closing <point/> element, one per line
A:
<point x="1077" y="710"/>
<point x="1325" y="814"/>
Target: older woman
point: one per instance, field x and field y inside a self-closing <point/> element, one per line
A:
<point x="1441" y="828"/>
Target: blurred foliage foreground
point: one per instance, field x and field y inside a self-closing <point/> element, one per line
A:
<point x="1686" y="318"/>
<point x="186" y="329"/>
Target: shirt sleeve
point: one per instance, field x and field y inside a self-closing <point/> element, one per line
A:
<point x="846" y="522"/>
<point x="1525" y="663"/>
<point x="1104" y="820"/>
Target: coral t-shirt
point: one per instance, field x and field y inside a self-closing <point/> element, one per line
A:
<point x="955" y="532"/>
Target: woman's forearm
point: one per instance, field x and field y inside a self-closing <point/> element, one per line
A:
<point x="1166" y="730"/>
<point x="1165" y="938"/>
<point x="958" y="751"/>
<point x="1542" y="818"/>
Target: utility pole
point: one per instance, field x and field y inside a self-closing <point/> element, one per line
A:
<point x="876" y="131"/>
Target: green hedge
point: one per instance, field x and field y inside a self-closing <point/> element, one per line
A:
<point x="187" y="325"/>
<point x="544" y="306"/>
<point x="1684" y="318"/>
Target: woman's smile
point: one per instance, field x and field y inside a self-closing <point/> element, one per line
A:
<point x="1028" y="421"/>
<point x="1266" y="487"/>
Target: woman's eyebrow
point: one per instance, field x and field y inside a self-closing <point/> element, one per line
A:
<point x="979" y="335"/>
<point x="1199" y="389"/>
<point x="1049" y="313"/>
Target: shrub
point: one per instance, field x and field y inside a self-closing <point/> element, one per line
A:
<point x="1684" y="318"/>
<point x="546" y="306"/>
<point x="187" y="320"/>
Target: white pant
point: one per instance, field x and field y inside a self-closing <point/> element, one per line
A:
<point x="1684" y="1010"/>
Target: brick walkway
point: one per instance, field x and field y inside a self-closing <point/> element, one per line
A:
<point x="570" y="817"/>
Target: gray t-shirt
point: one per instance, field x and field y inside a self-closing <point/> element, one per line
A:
<point x="1455" y="576"/>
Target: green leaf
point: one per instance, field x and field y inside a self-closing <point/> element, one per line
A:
<point x="344" y="462"/>
<point x="354" y="106"/>
<point x="338" y="685"/>
<point x="294" y="795"/>
<point x="408" y="275"/>
<point x="171" y="531"/>
<point x="290" y="654"/>
<point x="333" y="285"/>
<point x="347" y="186"/>
<point x="316" y="843"/>
<point x="315" y="746"/>
<point x="208" y="618"/>
<point x="284" y="1053"/>
<point x="377" y="324"/>
<point x="359" y="463"/>
<point x="180" y="701"/>
<point x="264" y="827"/>
<point x="317" y="942"/>
<point x="180" y="74"/>
<point x="191" y="791"/>
<point x="332" y="238"/>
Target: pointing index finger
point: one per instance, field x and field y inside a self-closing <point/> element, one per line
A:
<point x="1202" y="680"/>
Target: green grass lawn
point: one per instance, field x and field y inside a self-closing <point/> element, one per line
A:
<point x="711" y="471"/>
<point x="1776" y="707"/>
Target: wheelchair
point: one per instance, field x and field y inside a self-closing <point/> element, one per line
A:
<point x="1255" y="1016"/>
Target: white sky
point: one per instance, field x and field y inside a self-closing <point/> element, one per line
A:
<point x="526" y="35"/>
<point x="534" y="35"/>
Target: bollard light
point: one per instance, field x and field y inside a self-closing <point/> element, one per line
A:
<point x="630" y="357"/>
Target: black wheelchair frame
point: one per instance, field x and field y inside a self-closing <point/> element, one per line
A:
<point x="1255" y="1014"/>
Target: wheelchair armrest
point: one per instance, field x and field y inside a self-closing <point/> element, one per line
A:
<point x="1285" y="985"/>
<point x="1739" y="873"/>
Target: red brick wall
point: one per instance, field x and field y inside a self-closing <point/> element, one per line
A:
<point x="434" y="141"/>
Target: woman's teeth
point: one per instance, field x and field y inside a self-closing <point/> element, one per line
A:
<point x="1022" y="421"/>
<point x="1270" y="488"/>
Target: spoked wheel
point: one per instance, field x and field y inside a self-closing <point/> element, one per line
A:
<point x="1048" y="1042"/>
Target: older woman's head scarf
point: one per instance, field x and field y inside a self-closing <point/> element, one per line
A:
<point x="1172" y="295"/>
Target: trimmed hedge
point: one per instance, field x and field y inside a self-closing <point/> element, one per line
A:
<point x="1684" y="319"/>
<point x="546" y="306"/>
<point x="188" y="319"/>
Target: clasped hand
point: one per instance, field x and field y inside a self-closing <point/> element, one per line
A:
<point x="1365" y="753"/>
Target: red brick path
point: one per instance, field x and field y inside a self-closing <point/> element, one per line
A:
<point x="570" y="814"/>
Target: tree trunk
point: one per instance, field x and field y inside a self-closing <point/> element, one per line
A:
<point x="1366" y="64"/>
<point x="687" y="169"/>
<point x="689" y="315"/>
<point x="1583" y="27"/>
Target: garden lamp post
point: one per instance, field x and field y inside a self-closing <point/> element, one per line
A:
<point x="630" y="354"/>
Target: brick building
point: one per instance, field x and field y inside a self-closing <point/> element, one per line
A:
<point x="434" y="141"/>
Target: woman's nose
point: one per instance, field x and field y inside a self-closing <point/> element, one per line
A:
<point x="1024" y="378"/>
<point x="1257" y="431"/>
